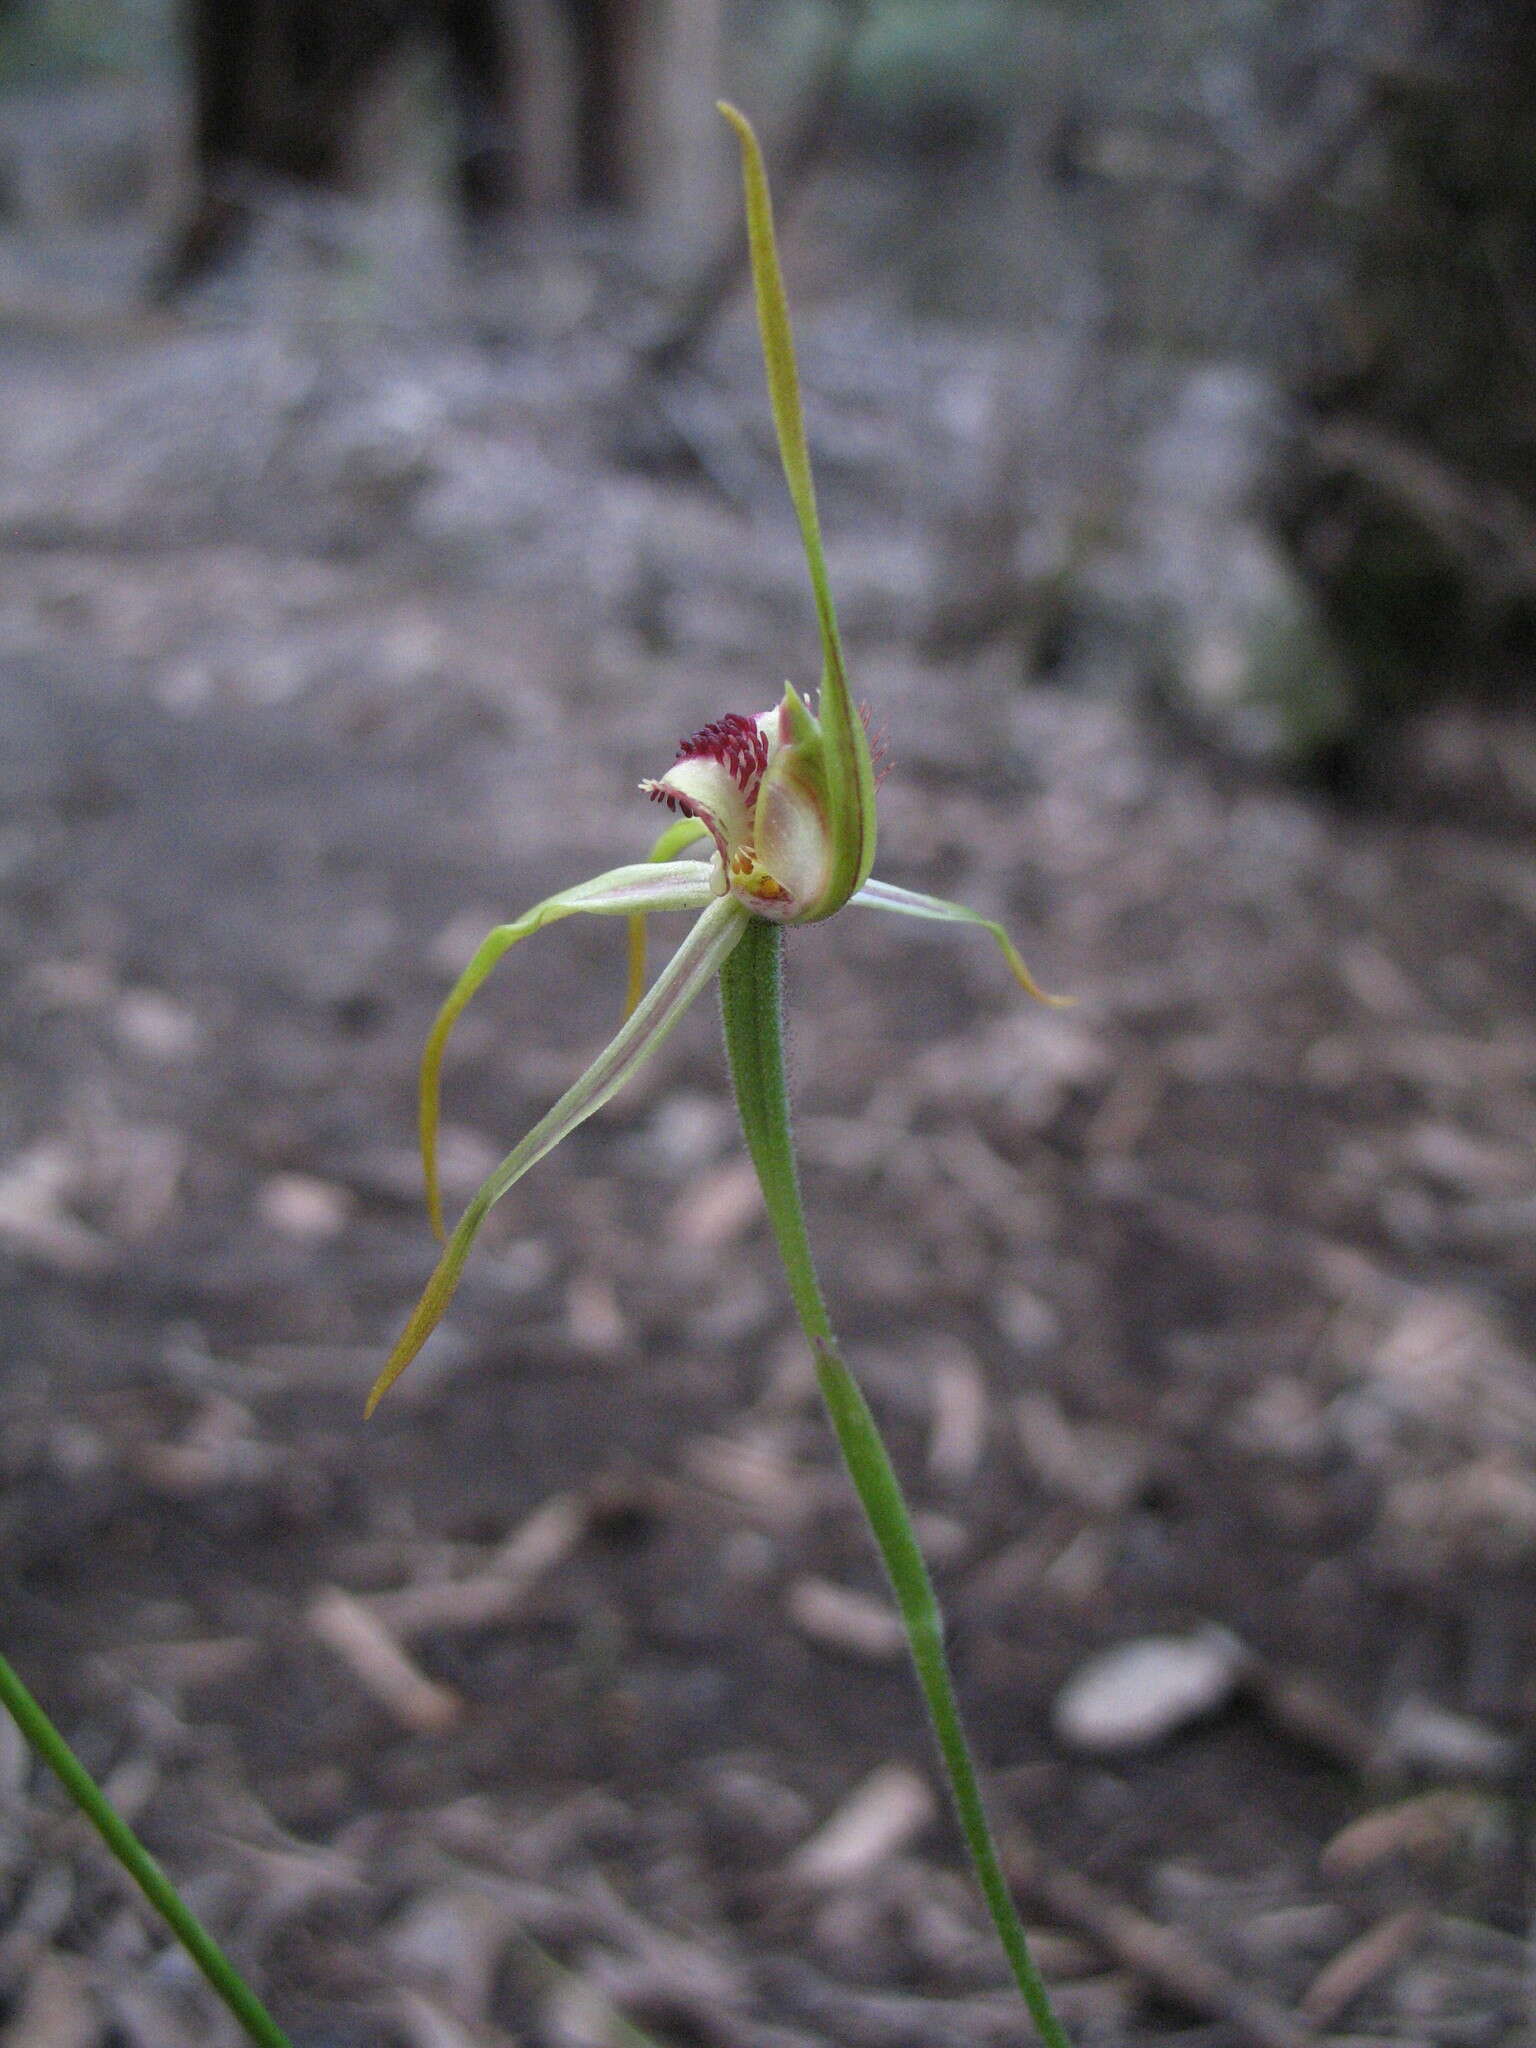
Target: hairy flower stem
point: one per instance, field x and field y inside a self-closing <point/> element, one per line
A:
<point x="752" y="1004"/>
<point x="146" y="1873"/>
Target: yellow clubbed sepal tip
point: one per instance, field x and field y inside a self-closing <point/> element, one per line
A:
<point x="1028" y="983"/>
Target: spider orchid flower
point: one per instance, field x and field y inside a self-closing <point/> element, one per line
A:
<point x="786" y="799"/>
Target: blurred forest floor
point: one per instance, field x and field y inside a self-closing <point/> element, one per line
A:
<point x="338" y="623"/>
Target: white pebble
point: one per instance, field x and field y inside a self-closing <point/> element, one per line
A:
<point x="1140" y="1693"/>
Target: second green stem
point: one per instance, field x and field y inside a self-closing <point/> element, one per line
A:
<point x="259" y="2025"/>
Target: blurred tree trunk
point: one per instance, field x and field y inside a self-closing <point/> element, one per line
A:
<point x="590" y="102"/>
<point x="1413" y="500"/>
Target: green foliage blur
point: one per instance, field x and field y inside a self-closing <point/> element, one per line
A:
<point x="924" y="67"/>
<point x="46" y="41"/>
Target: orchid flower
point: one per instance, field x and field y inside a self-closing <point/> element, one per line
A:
<point x="782" y="804"/>
<point x="786" y="799"/>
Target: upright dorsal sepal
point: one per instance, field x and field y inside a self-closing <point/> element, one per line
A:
<point x="844" y="768"/>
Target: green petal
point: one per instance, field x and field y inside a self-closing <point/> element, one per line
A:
<point x="910" y="903"/>
<point x="849" y="770"/>
<point x="681" y="885"/>
<point x="695" y="963"/>
<point x="680" y="833"/>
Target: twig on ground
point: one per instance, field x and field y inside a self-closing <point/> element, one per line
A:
<point x="380" y="1663"/>
<point x="1166" y="1958"/>
<point x="1357" y="1967"/>
<point x="491" y="1597"/>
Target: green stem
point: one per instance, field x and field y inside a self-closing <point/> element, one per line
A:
<point x="137" y="1861"/>
<point x="751" y="999"/>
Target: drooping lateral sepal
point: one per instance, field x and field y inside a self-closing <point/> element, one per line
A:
<point x="628" y="891"/>
<point x="692" y="967"/>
